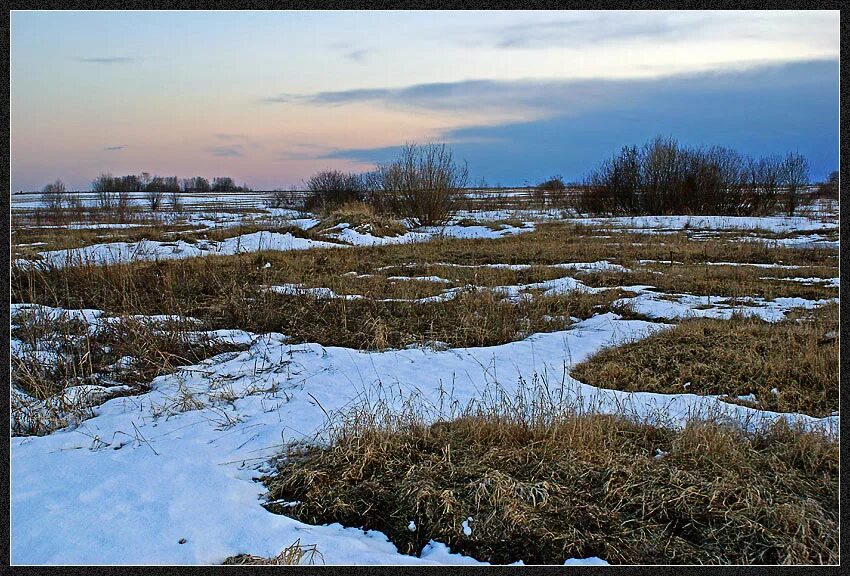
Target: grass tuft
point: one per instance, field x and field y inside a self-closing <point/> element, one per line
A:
<point x="570" y="485"/>
<point x="790" y="366"/>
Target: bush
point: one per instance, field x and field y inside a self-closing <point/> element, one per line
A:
<point x="329" y="189"/>
<point x="424" y="184"/>
<point x="53" y="196"/>
<point x="663" y="177"/>
<point x="829" y="188"/>
<point x="174" y="198"/>
<point x="106" y="188"/>
<point x="551" y="191"/>
<point x="795" y="177"/>
<point x="156" y="189"/>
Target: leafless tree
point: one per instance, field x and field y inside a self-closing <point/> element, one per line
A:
<point x="795" y="177"/>
<point x="106" y="188"/>
<point x="53" y="196"/>
<point x="424" y="184"/>
<point x="196" y="184"/>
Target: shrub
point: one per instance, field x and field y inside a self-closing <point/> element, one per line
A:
<point x="174" y="199"/>
<point x="329" y="189"/>
<point x="551" y="191"/>
<point x="156" y="189"/>
<point x="829" y="188"/>
<point x="424" y="184"/>
<point x="281" y="198"/>
<point x="53" y="196"/>
<point x="663" y="177"/>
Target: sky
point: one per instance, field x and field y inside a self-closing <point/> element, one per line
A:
<point x="269" y="98"/>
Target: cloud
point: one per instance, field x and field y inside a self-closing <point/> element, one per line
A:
<point x="228" y="137"/>
<point x="107" y="60"/>
<point x="114" y="148"/>
<point x="766" y="110"/>
<point x="605" y="28"/>
<point x="357" y="55"/>
<point x="471" y="95"/>
<point x="299" y="151"/>
<point x="233" y="151"/>
<point x="534" y="98"/>
<point x="595" y="28"/>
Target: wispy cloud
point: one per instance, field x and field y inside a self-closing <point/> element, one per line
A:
<point x="234" y="151"/>
<point x="107" y="59"/>
<point x="541" y="98"/>
<point x="228" y="137"/>
<point x="594" y="28"/>
<point x="299" y="151"/>
<point x="114" y="148"/>
<point x="357" y="55"/>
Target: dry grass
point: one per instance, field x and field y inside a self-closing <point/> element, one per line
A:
<point x="574" y="486"/>
<point x="790" y="366"/>
<point x="59" y="353"/>
<point x="232" y="291"/>
<point x="294" y="554"/>
<point x="229" y="292"/>
<point x="363" y="218"/>
<point x="732" y="281"/>
<point x="69" y="238"/>
<point x="57" y="237"/>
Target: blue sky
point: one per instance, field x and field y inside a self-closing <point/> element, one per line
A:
<point x="269" y="98"/>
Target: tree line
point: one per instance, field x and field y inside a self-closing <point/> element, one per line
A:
<point x="425" y="184"/>
<point x="665" y="177"/>
<point x="114" y="192"/>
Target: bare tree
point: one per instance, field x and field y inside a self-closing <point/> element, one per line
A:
<point x="663" y="177"/>
<point x="53" y="195"/>
<point x="224" y="184"/>
<point x="106" y="188"/>
<point x="154" y="197"/>
<point x="795" y="177"/>
<point x="196" y="184"/>
<point x="174" y="200"/>
<point x="282" y="198"/>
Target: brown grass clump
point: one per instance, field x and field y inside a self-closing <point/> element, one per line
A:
<point x="790" y="366"/>
<point x="576" y="486"/>
<point x="294" y="554"/>
<point x="363" y="218"/>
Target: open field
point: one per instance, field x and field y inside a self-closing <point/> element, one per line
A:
<point x="521" y="384"/>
